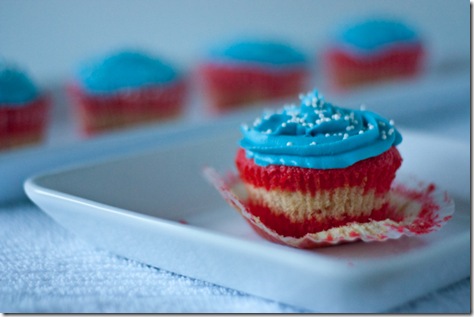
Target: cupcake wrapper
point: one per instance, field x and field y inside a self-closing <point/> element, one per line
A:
<point x="101" y="113"/>
<point x="423" y="207"/>
<point x="231" y="86"/>
<point x="24" y="125"/>
<point x="347" y="69"/>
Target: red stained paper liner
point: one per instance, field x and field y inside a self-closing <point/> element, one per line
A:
<point x="425" y="207"/>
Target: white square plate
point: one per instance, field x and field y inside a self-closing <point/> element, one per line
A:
<point x="155" y="207"/>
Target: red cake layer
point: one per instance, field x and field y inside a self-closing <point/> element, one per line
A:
<point x="373" y="173"/>
<point x="24" y="124"/>
<point x="281" y="224"/>
<point x="98" y="113"/>
<point x="348" y="68"/>
<point x="229" y="86"/>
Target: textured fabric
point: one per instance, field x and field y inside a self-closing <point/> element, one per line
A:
<point x="44" y="269"/>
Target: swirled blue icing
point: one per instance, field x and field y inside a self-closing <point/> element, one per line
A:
<point x="269" y="53"/>
<point x="374" y="34"/>
<point x="126" y="69"/>
<point x="317" y="134"/>
<point x="16" y="88"/>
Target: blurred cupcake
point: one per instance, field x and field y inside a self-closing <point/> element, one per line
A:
<point x="373" y="50"/>
<point x="249" y="71"/>
<point x="315" y="166"/>
<point x="124" y="89"/>
<point x="24" y="109"/>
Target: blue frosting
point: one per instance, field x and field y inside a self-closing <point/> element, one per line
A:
<point x="317" y="134"/>
<point x="123" y="70"/>
<point x="261" y="52"/>
<point x="16" y="88"/>
<point x="374" y="34"/>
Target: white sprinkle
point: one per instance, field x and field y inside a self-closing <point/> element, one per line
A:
<point x="289" y="144"/>
<point x="361" y="131"/>
<point x="391" y="122"/>
<point x="336" y="116"/>
<point x="312" y="143"/>
<point x="390" y="132"/>
<point x="327" y="135"/>
<point x="345" y="136"/>
<point x="283" y="124"/>
<point x="350" y="127"/>
<point x="268" y="131"/>
<point x="384" y="136"/>
<point x="346" y="117"/>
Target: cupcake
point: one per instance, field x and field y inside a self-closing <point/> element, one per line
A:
<point x="371" y="51"/>
<point x="249" y="71"/>
<point x="24" y="109"/>
<point x="316" y="166"/>
<point x="124" y="89"/>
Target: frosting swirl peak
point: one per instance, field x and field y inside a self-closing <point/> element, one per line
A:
<point x="317" y="134"/>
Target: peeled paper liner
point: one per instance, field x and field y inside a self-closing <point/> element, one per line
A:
<point x="425" y="208"/>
